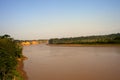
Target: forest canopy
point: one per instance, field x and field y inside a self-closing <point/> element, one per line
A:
<point x="100" y="39"/>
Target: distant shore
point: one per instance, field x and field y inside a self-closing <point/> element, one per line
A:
<point x="85" y="45"/>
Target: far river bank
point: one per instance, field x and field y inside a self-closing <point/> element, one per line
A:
<point x="85" y="45"/>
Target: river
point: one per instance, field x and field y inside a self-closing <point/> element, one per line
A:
<point x="72" y="63"/>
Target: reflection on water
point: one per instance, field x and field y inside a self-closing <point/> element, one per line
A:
<point x="72" y="63"/>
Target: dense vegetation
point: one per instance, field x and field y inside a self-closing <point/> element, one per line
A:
<point x="10" y="51"/>
<point x="101" y="39"/>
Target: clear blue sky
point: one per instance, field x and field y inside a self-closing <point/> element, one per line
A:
<point x="44" y="19"/>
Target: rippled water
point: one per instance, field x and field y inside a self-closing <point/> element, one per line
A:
<point x="72" y="63"/>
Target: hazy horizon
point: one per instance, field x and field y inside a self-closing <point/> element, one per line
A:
<point x="45" y="19"/>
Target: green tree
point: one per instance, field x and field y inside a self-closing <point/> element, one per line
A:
<point x="9" y="52"/>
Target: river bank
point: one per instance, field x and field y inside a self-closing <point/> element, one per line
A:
<point x="20" y="69"/>
<point x="85" y="45"/>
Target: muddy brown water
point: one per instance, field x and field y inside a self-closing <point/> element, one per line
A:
<point x="72" y="63"/>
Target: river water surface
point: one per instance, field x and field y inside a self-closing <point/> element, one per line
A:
<point x="72" y="63"/>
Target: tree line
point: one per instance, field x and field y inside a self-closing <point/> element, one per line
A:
<point x="100" y="39"/>
<point x="10" y="51"/>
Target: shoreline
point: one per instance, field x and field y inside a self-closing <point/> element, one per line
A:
<point x="85" y="45"/>
<point x="20" y="68"/>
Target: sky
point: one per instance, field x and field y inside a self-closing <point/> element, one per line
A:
<point x="45" y="19"/>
